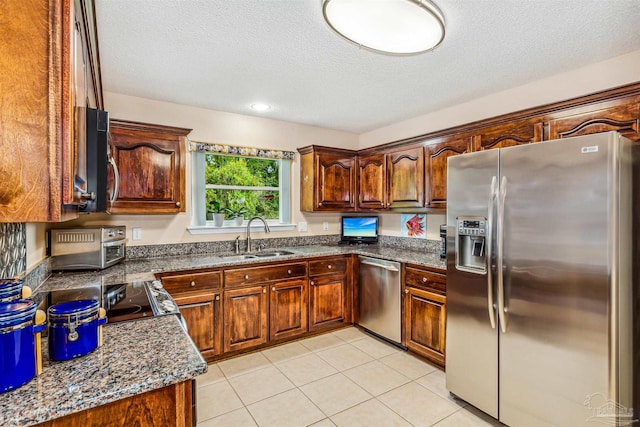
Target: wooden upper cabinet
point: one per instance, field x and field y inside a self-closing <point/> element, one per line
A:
<point x="624" y="118"/>
<point x="405" y="177"/>
<point x="44" y="65"/>
<point x="151" y="162"/>
<point x="509" y="135"/>
<point x="328" y="179"/>
<point x="372" y="181"/>
<point x="436" y="170"/>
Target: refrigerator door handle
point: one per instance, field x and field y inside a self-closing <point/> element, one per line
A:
<point x="500" y="242"/>
<point x="489" y="254"/>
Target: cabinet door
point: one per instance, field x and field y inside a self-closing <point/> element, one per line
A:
<point x="405" y="178"/>
<point x="437" y="169"/>
<point x="372" y="179"/>
<point x="202" y="314"/>
<point x="425" y="316"/>
<point x="336" y="182"/>
<point x="510" y="134"/>
<point x="151" y="162"/>
<point x="326" y="301"/>
<point x="622" y="118"/>
<point x="288" y="309"/>
<point x="245" y="318"/>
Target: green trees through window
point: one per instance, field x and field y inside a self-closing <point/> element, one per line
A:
<point x="243" y="182"/>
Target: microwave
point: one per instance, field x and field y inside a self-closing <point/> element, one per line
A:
<point x="96" y="195"/>
<point x="87" y="248"/>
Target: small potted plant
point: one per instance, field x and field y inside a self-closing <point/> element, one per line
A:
<point x="237" y="214"/>
<point x="215" y="212"/>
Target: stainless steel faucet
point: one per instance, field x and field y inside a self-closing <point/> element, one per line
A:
<point x="266" y="229"/>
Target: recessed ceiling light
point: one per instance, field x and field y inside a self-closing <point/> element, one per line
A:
<point x="396" y="27"/>
<point x="258" y="106"/>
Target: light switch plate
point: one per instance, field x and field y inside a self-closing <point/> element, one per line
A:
<point x="136" y="233"/>
<point x="302" y="226"/>
<point x="325" y="226"/>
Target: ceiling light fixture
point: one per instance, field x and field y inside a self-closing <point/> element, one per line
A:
<point x="395" y="27"/>
<point x="258" y="106"/>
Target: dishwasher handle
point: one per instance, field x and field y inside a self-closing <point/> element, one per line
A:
<point x="388" y="268"/>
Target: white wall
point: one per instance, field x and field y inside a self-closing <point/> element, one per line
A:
<point x="600" y="76"/>
<point x="228" y="128"/>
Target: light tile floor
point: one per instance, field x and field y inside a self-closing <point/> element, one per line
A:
<point x="343" y="378"/>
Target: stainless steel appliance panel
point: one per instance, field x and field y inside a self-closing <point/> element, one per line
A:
<point x="472" y="342"/>
<point x="557" y="242"/>
<point x="380" y="310"/>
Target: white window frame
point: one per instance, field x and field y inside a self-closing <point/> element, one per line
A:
<point x="199" y="224"/>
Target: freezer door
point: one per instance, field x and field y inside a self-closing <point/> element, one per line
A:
<point x="558" y="238"/>
<point x="471" y="341"/>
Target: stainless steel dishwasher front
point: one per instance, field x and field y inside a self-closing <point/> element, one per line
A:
<point x="380" y="297"/>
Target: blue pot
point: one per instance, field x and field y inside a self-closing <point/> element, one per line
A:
<point x="17" y="343"/>
<point x="73" y="329"/>
<point x="10" y="289"/>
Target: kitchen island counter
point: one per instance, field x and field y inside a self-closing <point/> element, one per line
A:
<point x="137" y="357"/>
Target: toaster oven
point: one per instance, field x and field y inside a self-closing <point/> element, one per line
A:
<point x="90" y="248"/>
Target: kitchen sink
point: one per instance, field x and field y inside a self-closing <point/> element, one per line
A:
<point x="237" y="257"/>
<point x="272" y="254"/>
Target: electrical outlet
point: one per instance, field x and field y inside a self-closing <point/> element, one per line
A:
<point x="136" y="233"/>
<point x="302" y="226"/>
<point x="325" y="226"/>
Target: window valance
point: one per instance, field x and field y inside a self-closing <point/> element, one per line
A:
<point x="212" y="147"/>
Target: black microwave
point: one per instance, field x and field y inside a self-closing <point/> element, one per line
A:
<point x="98" y="160"/>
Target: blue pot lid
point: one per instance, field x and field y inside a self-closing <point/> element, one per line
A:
<point x="4" y="286"/>
<point x="18" y="310"/>
<point x="11" y="282"/>
<point x="73" y="307"/>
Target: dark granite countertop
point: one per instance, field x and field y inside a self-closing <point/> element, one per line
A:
<point x="146" y="268"/>
<point x="137" y="356"/>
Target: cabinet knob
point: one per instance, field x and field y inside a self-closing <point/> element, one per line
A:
<point x="273" y="289"/>
<point x="406" y="291"/>
<point x="217" y="297"/>
<point x="329" y="267"/>
<point x="177" y="204"/>
<point x="246" y="277"/>
<point x="289" y="271"/>
<point x="424" y="280"/>
<point x="313" y="283"/>
<point x="264" y="290"/>
<point x="193" y="283"/>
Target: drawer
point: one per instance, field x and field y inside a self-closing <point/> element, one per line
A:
<point x="427" y="279"/>
<point x="327" y="266"/>
<point x="253" y="275"/>
<point x="191" y="282"/>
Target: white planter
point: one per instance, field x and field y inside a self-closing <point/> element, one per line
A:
<point x="239" y="220"/>
<point x="218" y="219"/>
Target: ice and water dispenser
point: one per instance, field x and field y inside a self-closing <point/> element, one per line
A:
<point x="471" y="244"/>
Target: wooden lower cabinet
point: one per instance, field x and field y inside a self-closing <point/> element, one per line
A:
<point x="288" y="309"/>
<point x="168" y="407"/>
<point x="425" y="317"/>
<point x="203" y="317"/>
<point x="245" y="317"/>
<point x="327" y="301"/>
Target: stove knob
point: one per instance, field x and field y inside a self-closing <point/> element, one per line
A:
<point x="157" y="284"/>
<point x="169" y="307"/>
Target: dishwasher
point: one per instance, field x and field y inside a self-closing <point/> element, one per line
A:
<point x="380" y="298"/>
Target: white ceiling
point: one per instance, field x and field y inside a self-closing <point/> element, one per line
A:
<point x="227" y="54"/>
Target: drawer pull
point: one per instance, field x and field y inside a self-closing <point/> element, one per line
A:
<point x="406" y="291"/>
<point x="313" y="283"/>
<point x="246" y="277"/>
<point x="424" y="280"/>
<point x="217" y="297"/>
<point x="273" y="289"/>
<point x="264" y="290"/>
<point x="193" y="283"/>
<point x="329" y="267"/>
<point x="289" y="271"/>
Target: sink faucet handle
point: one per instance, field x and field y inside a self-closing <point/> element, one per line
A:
<point x="237" y="245"/>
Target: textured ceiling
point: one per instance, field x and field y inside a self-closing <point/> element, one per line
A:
<point x="227" y="54"/>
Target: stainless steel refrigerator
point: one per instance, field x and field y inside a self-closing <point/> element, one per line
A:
<point x="542" y="282"/>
